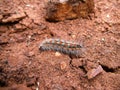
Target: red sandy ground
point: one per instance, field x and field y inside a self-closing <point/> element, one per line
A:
<point x="24" y="67"/>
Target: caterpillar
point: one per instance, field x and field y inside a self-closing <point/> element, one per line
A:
<point x="62" y="46"/>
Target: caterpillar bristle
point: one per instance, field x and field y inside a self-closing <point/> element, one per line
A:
<point x="66" y="47"/>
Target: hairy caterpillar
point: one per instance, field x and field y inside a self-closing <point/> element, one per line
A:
<point x="66" y="47"/>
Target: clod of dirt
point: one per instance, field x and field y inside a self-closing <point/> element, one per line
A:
<point x="10" y="12"/>
<point x="71" y="9"/>
<point x="1" y="16"/>
<point x="15" y="87"/>
<point x="19" y="87"/>
<point x="13" y="18"/>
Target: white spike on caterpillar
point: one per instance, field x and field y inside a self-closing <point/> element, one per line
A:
<point x="66" y="47"/>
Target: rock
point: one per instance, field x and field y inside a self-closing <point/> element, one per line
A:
<point x="94" y="72"/>
<point x="70" y="9"/>
<point x="63" y="65"/>
<point x="57" y="54"/>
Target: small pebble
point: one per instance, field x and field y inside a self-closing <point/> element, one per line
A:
<point x="29" y="37"/>
<point x="38" y="83"/>
<point x="63" y="1"/>
<point x="73" y="36"/>
<point x="118" y="42"/>
<point x="28" y="5"/>
<point x="103" y="39"/>
<point x="31" y="53"/>
<point x="108" y="16"/>
<point x="63" y="65"/>
<point x="57" y="54"/>
<point x="37" y="88"/>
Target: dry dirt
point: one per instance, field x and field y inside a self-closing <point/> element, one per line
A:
<point x="24" y="67"/>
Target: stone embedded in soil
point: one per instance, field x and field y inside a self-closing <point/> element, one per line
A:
<point x="57" y="54"/>
<point x="63" y="65"/>
<point x="94" y="72"/>
<point x="73" y="36"/>
<point x="31" y="53"/>
<point x="71" y="9"/>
